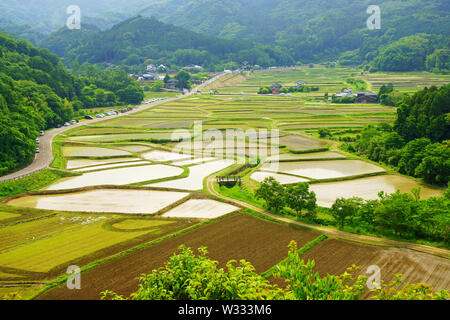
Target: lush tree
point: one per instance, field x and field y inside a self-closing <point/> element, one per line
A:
<point x="190" y="277"/>
<point x="345" y="210"/>
<point x="299" y="198"/>
<point x="272" y="193"/>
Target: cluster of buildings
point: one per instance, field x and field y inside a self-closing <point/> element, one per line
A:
<point x="275" y="88"/>
<point x="360" y="97"/>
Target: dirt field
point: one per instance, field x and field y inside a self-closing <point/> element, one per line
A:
<point x="334" y="256"/>
<point x="237" y="237"/>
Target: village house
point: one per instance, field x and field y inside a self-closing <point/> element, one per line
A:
<point x="364" y="97"/>
<point x="151" y="68"/>
<point x="172" y="84"/>
<point x="276" y="88"/>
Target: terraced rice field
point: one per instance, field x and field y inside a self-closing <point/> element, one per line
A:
<point x="92" y="152"/>
<point x="196" y="176"/>
<point x="121" y="176"/>
<point x="162" y="156"/>
<point x="200" y="208"/>
<point x="334" y="256"/>
<point x="265" y="245"/>
<point x="79" y="241"/>
<point x="368" y="188"/>
<point x="80" y="163"/>
<point x="112" y="201"/>
<point x="110" y="166"/>
<point x="324" y="169"/>
<point x="260" y="176"/>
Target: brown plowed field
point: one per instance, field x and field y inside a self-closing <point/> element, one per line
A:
<point x="334" y="256"/>
<point x="237" y="237"/>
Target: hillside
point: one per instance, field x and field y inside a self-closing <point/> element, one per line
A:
<point x="308" y="30"/>
<point x="37" y="92"/>
<point x="137" y="39"/>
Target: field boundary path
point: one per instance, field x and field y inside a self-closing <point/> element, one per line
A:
<point x="364" y="239"/>
<point x="44" y="158"/>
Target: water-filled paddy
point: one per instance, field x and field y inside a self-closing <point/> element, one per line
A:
<point x="281" y="178"/>
<point x="120" y="176"/>
<point x="368" y="188"/>
<point x="109" y="166"/>
<point x="112" y="201"/>
<point x="134" y="148"/>
<point x="92" y="152"/>
<point x="200" y="208"/>
<point x="307" y="156"/>
<point x="192" y="161"/>
<point x="196" y="176"/>
<point x="80" y="163"/>
<point x="295" y="142"/>
<point x="324" y="169"/>
<point x="160" y="156"/>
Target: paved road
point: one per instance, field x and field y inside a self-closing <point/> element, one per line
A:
<point x="441" y="252"/>
<point x="44" y="158"/>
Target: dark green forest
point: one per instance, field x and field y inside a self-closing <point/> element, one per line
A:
<point x="138" y="39"/>
<point x="414" y="35"/>
<point x="37" y="92"/>
<point x="418" y="144"/>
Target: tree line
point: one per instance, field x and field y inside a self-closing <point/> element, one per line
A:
<point x="418" y="143"/>
<point x="398" y="214"/>
<point x="37" y="92"/>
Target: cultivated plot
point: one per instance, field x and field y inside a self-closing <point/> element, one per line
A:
<point x="92" y="152"/>
<point x="237" y="237"/>
<point x="368" y="188"/>
<point x="200" y="208"/>
<point x="80" y="163"/>
<point x="260" y="176"/>
<point x="121" y="176"/>
<point x="324" y="169"/>
<point x="196" y="176"/>
<point x="108" y="200"/>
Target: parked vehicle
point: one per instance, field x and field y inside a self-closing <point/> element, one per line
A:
<point x="88" y="118"/>
<point x="38" y="150"/>
<point x="66" y="124"/>
<point x="41" y="133"/>
<point x="37" y="141"/>
<point x="74" y="121"/>
<point x="58" y="125"/>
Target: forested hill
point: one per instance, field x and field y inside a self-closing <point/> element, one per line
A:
<point x="37" y="92"/>
<point x="64" y="40"/>
<point x="306" y="30"/>
<point x="135" y="40"/>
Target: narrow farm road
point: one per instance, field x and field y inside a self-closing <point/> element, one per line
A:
<point x="441" y="252"/>
<point x="44" y="158"/>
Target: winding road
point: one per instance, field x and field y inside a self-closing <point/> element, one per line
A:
<point x="44" y="158"/>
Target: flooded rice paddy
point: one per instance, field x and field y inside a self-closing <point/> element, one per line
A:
<point x="281" y="178"/>
<point x="200" y="208"/>
<point x="324" y="169"/>
<point x="112" y="201"/>
<point x="92" y="152"/>
<point x="368" y="188"/>
<point x="196" y="176"/>
<point x="122" y="176"/>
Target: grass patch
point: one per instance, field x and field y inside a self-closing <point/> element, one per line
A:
<point x="32" y="182"/>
